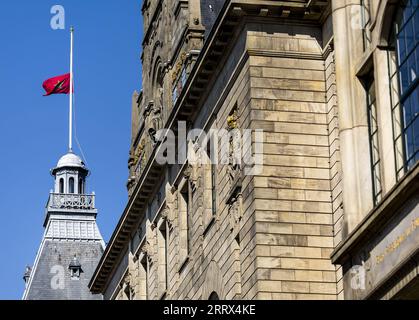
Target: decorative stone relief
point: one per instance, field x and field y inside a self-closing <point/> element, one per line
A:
<point x="147" y="250"/>
<point x="165" y="214"/>
<point x="139" y="152"/>
<point x="178" y="68"/>
<point x="232" y="120"/>
<point x="233" y="169"/>
<point x="170" y="211"/>
<point x="155" y="122"/>
<point x="235" y="213"/>
<point x="195" y="169"/>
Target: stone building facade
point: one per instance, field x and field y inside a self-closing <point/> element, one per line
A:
<point x="298" y="75"/>
<point x="378" y="93"/>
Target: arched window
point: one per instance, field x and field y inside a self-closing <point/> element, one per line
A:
<point x="404" y="67"/>
<point x="71" y="185"/>
<point x="81" y="186"/>
<point x="214" y="296"/>
<point x="61" y="185"/>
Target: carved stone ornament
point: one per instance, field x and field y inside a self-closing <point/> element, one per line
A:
<point x="234" y="161"/>
<point x="148" y="108"/>
<point x="155" y="123"/>
<point x="178" y="68"/>
<point x="194" y="172"/>
<point x="232" y="120"/>
<point x="127" y="279"/>
<point x="145" y="248"/>
<point x="165" y="214"/>
<point x="138" y="153"/>
<point x="171" y="207"/>
<point x="235" y="213"/>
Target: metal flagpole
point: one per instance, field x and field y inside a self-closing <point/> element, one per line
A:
<point x="70" y="135"/>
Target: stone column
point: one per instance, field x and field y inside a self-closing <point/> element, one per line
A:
<point x="353" y="121"/>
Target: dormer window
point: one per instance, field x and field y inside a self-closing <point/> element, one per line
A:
<point x="75" y="269"/>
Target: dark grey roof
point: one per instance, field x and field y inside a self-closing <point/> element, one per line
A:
<point x="51" y="277"/>
<point x="210" y="10"/>
<point x="75" y="263"/>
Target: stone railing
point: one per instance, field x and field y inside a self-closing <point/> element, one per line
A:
<point x="71" y="201"/>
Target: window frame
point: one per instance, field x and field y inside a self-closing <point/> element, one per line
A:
<point x="404" y="161"/>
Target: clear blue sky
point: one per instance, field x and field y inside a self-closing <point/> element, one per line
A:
<point x="33" y="128"/>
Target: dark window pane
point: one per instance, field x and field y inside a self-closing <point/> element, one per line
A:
<point x="415" y="102"/>
<point x="411" y="163"/>
<point x="409" y="142"/>
<point x="410" y="41"/>
<point x="401" y="46"/>
<point x="412" y="68"/>
<point x="415" y="126"/>
<point x="407" y="26"/>
<point x="71" y="185"/>
<point x="416" y="53"/>
<point x="404" y="78"/>
<point x="407" y="112"/>
<point x="407" y="12"/>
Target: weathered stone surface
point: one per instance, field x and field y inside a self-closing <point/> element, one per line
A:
<point x="269" y="235"/>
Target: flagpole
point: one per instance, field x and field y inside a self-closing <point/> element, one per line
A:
<point x="70" y="135"/>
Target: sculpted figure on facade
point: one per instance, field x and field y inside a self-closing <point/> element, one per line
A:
<point x="169" y="213"/>
<point x="235" y="212"/>
<point x="193" y="171"/>
<point x="234" y="152"/>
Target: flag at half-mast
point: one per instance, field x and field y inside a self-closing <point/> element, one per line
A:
<point x="57" y="85"/>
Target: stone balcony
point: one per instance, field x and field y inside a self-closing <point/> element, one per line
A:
<point x="63" y="202"/>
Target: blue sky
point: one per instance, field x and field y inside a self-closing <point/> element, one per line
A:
<point x="33" y="128"/>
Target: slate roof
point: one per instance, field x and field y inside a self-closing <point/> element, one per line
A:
<point x="51" y="277"/>
<point x="209" y="11"/>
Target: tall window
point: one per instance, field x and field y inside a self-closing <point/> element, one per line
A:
<point x="184" y="216"/>
<point x="81" y="186"/>
<point x="162" y="258"/>
<point x="210" y="183"/>
<point x="71" y="185"/>
<point x="373" y="137"/>
<point x="404" y="63"/>
<point x="61" y="185"/>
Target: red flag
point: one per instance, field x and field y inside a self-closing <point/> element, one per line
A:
<point x="57" y="85"/>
